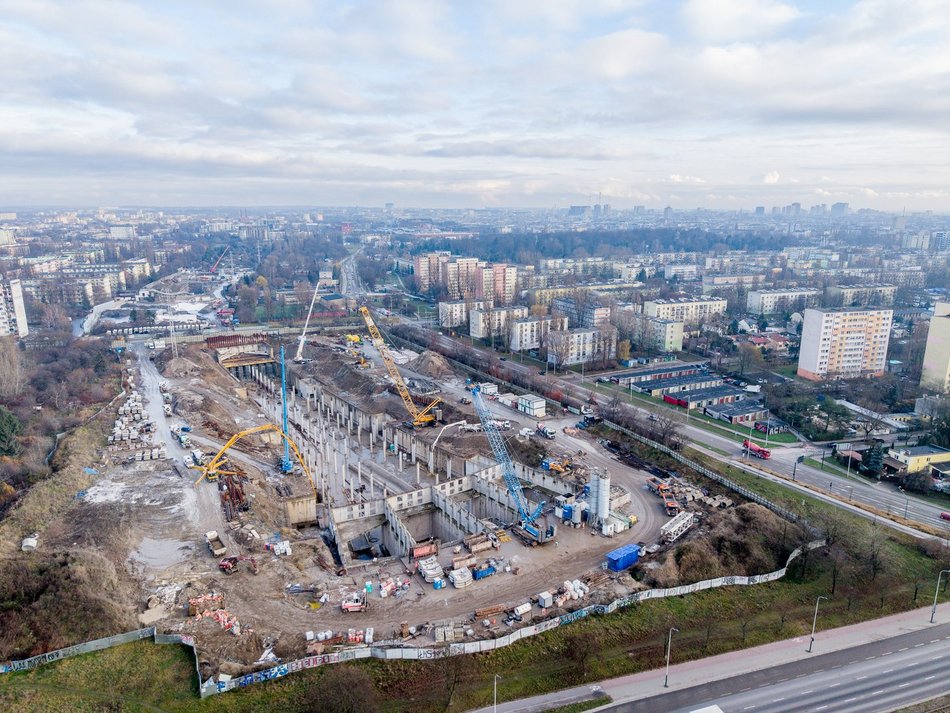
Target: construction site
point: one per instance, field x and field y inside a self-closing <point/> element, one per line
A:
<point x="331" y="490"/>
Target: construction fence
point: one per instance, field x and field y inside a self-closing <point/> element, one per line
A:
<point x="398" y="651"/>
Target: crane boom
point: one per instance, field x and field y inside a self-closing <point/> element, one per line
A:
<point x="497" y="443"/>
<point x="303" y="335"/>
<point x="220" y="257"/>
<point x="419" y="416"/>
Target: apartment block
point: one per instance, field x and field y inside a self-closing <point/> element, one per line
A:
<point x="781" y="301"/>
<point x="844" y="343"/>
<point x="682" y="272"/>
<point x="459" y="277"/>
<point x="688" y="310"/>
<point x="587" y="314"/>
<point x="656" y="334"/>
<point x="936" y="371"/>
<point x="488" y="323"/>
<point x="12" y="310"/>
<point x="531" y="332"/>
<point x="427" y="268"/>
<point x="455" y="313"/>
<point x="860" y="295"/>
<point x="497" y="283"/>
<point x="580" y="346"/>
<point x="719" y="282"/>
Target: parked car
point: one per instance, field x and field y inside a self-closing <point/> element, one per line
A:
<point x="945" y="515"/>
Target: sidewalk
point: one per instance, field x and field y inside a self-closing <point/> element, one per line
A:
<point x="715" y="668"/>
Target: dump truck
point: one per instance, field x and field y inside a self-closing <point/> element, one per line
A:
<point x="354" y="603"/>
<point x="215" y="543"/>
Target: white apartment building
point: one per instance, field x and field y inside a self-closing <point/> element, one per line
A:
<point x="530" y="332"/>
<point x="455" y="313"/>
<point x="12" y="310"/>
<point x="863" y="295"/>
<point x="780" y="301"/>
<point x="843" y="343"/>
<point x="488" y="323"/>
<point x="580" y="346"/>
<point x="683" y="272"/>
<point x="460" y="277"/>
<point x="688" y="310"/>
<point x="660" y="335"/>
<point x="936" y="371"/>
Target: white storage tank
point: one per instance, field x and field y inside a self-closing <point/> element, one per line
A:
<point x="603" y="496"/>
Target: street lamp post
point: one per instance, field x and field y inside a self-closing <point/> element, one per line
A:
<point x="495" y="691"/>
<point x="814" y="621"/>
<point x="669" y="645"/>
<point x="933" y="612"/>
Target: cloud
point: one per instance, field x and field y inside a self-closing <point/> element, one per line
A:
<point x="728" y="20"/>
<point x="534" y="103"/>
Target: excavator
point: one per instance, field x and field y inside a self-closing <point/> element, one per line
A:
<point x="419" y="417"/>
<point x="213" y="468"/>
<point x="229" y="565"/>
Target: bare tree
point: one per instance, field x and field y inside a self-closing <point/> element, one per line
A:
<point x="666" y="427"/>
<point x="559" y="347"/>
<point x="12" y="374"/>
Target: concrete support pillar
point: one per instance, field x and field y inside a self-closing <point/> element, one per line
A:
<point x="413" y="450"/>
<point x="418" y="468"/>
<point x="401" y="458"/>
<point x="448" y="468"/>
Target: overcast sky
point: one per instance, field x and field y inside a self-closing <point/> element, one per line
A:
<point x="537" y="103"/>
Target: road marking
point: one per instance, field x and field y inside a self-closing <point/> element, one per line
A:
<point x="929" y="677"/>
<point x="917" y="646"/>
<point x="835" y="684"/>
<point x="860" y="678"/>
<point x="887" y="671"/>
<point x="745" y="689"/>
<point x="748" y="708"/>
<point x="934" y="658"/>
<point x="904" y="685"/>
<point x="851" y="699"/>
<point x="887" y="653"/>
<point x="777" y="700"/>
<point x="877" y="692"/>
<point x="821" y="708"/>
<point x="782" y="680"/>
<point x="869" y="658"/>
<point x="935" y="641"/>
<point x="904" y="649"/>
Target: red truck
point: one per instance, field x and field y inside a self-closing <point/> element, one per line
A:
<point x="758" y="451"/>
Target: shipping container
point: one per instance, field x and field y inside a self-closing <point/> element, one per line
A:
<point x="623" y="557"/>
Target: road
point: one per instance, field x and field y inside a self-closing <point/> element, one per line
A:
<point x="873" y="666"/>
<point x="783" y="462"/>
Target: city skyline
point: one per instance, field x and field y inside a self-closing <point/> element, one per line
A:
<point x="725" y="104"/>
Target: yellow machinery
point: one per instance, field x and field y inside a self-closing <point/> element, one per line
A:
<point x="353" y="339"/>
<point x="212" y="469"/>
<point x="420" y="417"/>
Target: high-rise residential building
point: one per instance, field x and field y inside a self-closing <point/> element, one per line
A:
<point x="936" y="372"/>
<point x="497" y="283"/>
<point x="427" y="268"/>
<point x="460" y="277"/>
<point x="779" y="301"/>
<point x="12" y="310"/>
<point x="844" y="343"/>
<point x="689" y="310"/>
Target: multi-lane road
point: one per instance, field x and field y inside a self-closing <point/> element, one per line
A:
<point x="870" y="667"/>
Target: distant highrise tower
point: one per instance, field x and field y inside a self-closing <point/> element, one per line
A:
<point x="936" y="371"/>
<point x="667" y="213"/>
<point x="12" y="310"/>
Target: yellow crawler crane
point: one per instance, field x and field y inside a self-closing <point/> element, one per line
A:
<point x="420" y="417"/>
<point x="212" y="469"/>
